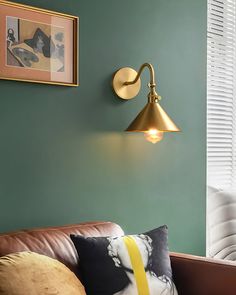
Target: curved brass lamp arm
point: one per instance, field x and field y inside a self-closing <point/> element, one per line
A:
<point x="152" y="96"/>
<point x="152" y="75"/>
<point x="127" y="83"/>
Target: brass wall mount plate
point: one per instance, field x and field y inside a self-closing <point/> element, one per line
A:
<point x="126" y="91"/>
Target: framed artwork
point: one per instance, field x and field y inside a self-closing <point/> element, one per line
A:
<point x="38" y="45"/>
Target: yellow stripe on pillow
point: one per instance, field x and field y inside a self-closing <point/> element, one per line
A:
<point x="137" y="265"/>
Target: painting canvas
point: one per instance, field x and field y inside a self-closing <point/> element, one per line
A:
<point x="40" y="46"/>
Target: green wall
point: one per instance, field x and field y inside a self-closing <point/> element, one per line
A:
<point x="63" y="155"/>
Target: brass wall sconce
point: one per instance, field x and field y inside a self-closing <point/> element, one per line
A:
<point x="153" y="121"/>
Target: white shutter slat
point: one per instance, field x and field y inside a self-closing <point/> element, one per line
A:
<point x="221" y="95"/>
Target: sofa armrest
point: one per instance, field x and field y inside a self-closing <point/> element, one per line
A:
<point x="195" y="275"/>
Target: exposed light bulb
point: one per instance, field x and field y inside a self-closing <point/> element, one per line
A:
<point x="153" y="135"/>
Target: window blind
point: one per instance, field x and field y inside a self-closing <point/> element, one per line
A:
<point x="221" y="94"/>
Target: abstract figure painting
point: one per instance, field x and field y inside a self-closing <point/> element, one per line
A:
<point x="35" y="45"/>
<point x="40" y="46"/>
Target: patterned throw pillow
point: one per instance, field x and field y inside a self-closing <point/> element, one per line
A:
<point x="127" y="265"/>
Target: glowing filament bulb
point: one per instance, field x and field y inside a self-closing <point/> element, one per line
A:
<point x="153" y="135"/>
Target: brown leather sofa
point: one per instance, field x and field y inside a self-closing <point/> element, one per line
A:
<point x="193" y="275"/>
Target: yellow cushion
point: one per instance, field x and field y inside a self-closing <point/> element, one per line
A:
<point x="33" y="274"/>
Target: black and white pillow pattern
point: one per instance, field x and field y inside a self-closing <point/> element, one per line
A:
<point x="127" y="265"/>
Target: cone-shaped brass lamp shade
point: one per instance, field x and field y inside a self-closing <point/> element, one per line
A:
<point x="152" y="117"/>
<point x="153" y="121"/>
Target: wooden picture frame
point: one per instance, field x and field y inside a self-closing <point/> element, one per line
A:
<point x="38" y="45"/>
